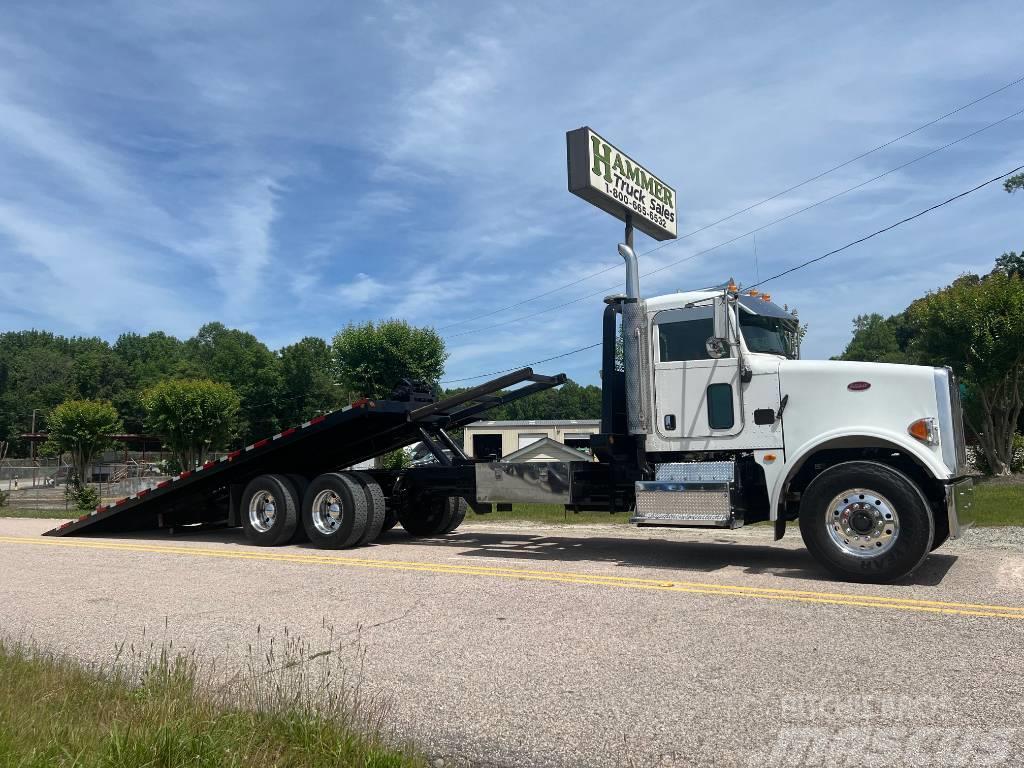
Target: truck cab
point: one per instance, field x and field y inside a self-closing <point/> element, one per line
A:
<point x="734" y="428"/>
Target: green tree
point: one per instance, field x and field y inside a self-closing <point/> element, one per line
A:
<point x="82" y="428"/>
<point x="371" y="359"/>
<point x="1011" y="263"/>
<point x="1014" y="183"/>
<point x="874" y="339"/>
<point x="307" y="380"/>
<point x="976" y="325"/>
<point x="192" y="416"/>
<point x="240" y="359"/>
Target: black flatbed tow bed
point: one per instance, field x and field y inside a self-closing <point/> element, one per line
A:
<point x="360" y="431"/>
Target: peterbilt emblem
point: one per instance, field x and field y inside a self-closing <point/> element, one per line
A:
<point x="858" y="386"/>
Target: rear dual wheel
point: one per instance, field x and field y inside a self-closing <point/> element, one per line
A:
<point x="432" y="515"/>
<point x="343" y="509"/>
<point x="269" y="509"/>
<point x="334" y="511"/>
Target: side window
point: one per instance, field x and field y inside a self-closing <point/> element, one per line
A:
<point x="720" y="413"/>
<point x="683" y="333"/>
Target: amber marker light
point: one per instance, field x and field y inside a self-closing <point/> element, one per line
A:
<point x="925" y="430"/>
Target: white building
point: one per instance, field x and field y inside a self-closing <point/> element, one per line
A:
<point x="502" y="438"/>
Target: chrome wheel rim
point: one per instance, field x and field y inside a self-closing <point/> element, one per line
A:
<point x="862" y="523"/>
<point x="262" y="511"/>
<point x="327" y="512"/>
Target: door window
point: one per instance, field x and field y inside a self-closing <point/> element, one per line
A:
<point x="683" y="334"/>
<point x="720" y="410"/>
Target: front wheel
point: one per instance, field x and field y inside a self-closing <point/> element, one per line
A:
<point x="866" y="521"/>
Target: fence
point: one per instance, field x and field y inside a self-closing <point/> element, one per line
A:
<point x="44" y="486"/>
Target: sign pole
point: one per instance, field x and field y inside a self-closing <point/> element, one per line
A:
<point x="629" y="229"/>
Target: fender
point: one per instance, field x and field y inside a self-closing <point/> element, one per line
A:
<point x="843" y="438"/>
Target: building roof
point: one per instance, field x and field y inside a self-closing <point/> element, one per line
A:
<point x="538" y="423"/>
<point x="548" y="447"/>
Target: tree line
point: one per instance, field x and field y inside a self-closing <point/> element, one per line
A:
<point x="224" y="386"/>
<point x="975" y="325"/>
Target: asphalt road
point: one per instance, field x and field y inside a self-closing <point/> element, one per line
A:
<point x="578" y="646"/>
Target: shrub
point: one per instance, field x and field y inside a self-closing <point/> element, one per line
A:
<point x="1016" y="461"/>
<point x="3" y="499"/>
<point x="397" y="459"/>
<point x="85" y="498"/>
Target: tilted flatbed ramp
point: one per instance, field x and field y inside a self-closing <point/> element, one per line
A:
<point x="358" y="432"/>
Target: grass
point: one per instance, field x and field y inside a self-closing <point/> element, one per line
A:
<point x="546" y="513"/>
<point x="40" y="514"/>
<point x="158" y="709"/>
<point x="996" y="504"/>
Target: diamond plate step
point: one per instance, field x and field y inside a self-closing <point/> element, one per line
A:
<point x="687" y="494"/>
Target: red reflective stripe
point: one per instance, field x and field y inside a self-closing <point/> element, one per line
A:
<point x="164" y="484"/>
<point x="261" y="443"/>
<point x="289" y="431"/>
<point x="143" y="492"/>
<point x="209" y="464"/>
<point x="119" y="502"/>
<point x="185" y="474"/>
<point x="316" y="420"/>
<point x="234" y="455"/>
<point x="83" y="517"/>
<point x="100" y="508"/>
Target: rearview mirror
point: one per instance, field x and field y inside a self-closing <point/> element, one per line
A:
<point x="716" y="348"/>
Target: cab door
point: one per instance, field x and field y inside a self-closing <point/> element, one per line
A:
<point x="696" y="396"/>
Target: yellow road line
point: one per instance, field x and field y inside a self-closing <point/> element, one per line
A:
<point x="564" y="577"/>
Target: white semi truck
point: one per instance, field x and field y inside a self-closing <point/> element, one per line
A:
<point x="711" y="421"/>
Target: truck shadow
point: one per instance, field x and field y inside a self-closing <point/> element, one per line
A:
<point x="705" y="556"/>
<point x="697" y="557"/>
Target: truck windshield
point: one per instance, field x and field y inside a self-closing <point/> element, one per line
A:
<point x="771" y="335"/>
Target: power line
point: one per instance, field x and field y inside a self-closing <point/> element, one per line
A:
<point x="751" y="207"/>
<point x="788" y="271"/>
<point x="754" y="231"/>
<point x="886" y="229"/>
<point x="523" y="365"/>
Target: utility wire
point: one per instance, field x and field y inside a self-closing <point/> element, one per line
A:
<point x="917" y="215"/>
<point x="523" y="365"/>
<point x="751" y="207"/>
<point x="788" y="271"/>
<point x="754" y="231"/>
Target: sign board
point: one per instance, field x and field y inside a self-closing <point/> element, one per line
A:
<point x="606" y="177"/>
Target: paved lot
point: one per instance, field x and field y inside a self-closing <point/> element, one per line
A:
<point x="576" y="646"/>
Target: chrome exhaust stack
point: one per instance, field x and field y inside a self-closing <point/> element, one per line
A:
<point x="634" y="346"/>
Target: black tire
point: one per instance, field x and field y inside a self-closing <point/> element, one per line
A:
<point x="301" y="483"/>
<point x="941" y="529"/>
<point x="349" y="526"/>
<point x="459" y="507"/>
<point x="390" y="519"/>
<point x="375" y="501"/>
<point x="426" y="515"/>
<point x="902" y="544"/>
<point x="278" y="527"/>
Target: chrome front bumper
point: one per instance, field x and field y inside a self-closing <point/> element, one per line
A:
<point x="959" y="497"/>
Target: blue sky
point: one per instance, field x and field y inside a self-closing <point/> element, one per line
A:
<point x="288" y="168"/>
